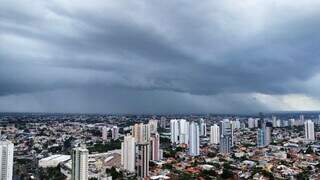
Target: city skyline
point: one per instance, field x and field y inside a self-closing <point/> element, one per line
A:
<point x="208" y="57"/>
<point x="90" y="146"/>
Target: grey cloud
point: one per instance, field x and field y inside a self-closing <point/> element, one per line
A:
<point x="115" y="100"/>
<point x="207" y="49"/>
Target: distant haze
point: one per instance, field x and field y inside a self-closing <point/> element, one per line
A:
<point x="160" y="56"/>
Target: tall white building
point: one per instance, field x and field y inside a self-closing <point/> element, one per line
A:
<point x="105" y="133"/>
<point x="143" y="158"/>
<point x="274" y="121"/>
<point x="225" y="126"/>
<point x="155" y="147"/>
<point x="278" y="124"/>
<point x="268" y="132"/>
<point x="194" y="139"/>
<point x="163" y="122"/>
<point x="309" y="130"/>
<point x="256" y="122"/>
<point x="128" y="152"/>
<point x="115" y="132"/>
<point x="203" y="127"/>
<point x="292" y="122"/>
<point x="232" y="126"/>
<point x="6" y="160"/>
<point x="160" y="154"/>
<point x="179" y="131"/>
<point x="260" y="137"/>
<point x="214" y="134"/>
<point x="251" y="123"/>
<point x="153" y="123"/>
<point x="79" y="163"/>
<point x="141" y="132"/>
<point x="237" y="124"/>
<point x="174" y="130"/>
<point x="183" y="131"/>
<point x="225" y="136"/>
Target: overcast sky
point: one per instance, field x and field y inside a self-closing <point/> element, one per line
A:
<point x="230" y="56"/>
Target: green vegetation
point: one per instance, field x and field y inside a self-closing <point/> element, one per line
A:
<point x="165" y="140"/>
<point x="216" y="165"/>
<point x="309" y="150"/>
<point x="194" y="164"/>
<point x="242" y="158"/>
<point x="227" y="171"/>
<point x="211" y="154"/>
<point x="67" y="145"/>
<point x="180" y="149"/>
<point x="248" y="145"/>
<point x="114" y="173"/>
<point x="184" y="176"/>
<point x="263" y="172"/>
<point x="167" y="166"/>
<point x="303" y="175"/>
<point x="171" y="152"/>
<point x="268" y="174"/>
<point x="286" y="163"/>
<point x="51" y="173"/>
<point x="95" y="132"/>
<point x="55" y="149"/>
<point x="104" y="147"/>
<point x="256" y="170"/>
<point x="180" y="175"/>
<point x="208" y="174"/>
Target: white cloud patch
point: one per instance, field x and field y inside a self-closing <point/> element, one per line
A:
<point x="289" y="102"/>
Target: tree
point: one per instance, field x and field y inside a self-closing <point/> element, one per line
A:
<point x="167" y="166"/>
<point x="309" y="150"/>
<point x="180" y="149"/>
<point x="208" y="174"/>
<point x="114" y="173"/>
<point x="211" y="154"/>
<point x="227" y="171"/>
<point x="268" y="174"/>
<point x="169" y="153"/>
<point x="95" y="132"/>
<point x="303" y="175"/>
<point x="183" y="176"/>
<point x="104" y="147"/>
<point x="52" y="173"/>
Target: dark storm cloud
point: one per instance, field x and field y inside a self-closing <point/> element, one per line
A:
<point x="206" y="50"/>
<point x="115" y="100"/>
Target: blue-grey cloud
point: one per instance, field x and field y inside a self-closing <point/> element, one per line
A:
<point x="208" y="50"/>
